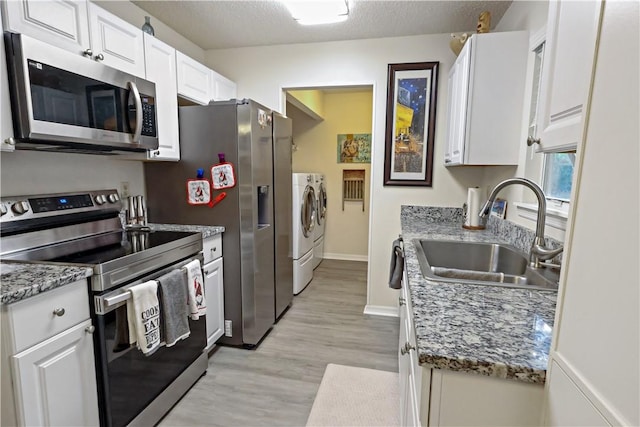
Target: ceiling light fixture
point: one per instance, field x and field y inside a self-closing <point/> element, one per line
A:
<point x="310" y="12"/>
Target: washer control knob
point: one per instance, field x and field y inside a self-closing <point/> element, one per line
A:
<point x="113" y="197"/>
<point x="101" y="199"/>
<point x="3" y="209"/>
<point x="20" y="207"/>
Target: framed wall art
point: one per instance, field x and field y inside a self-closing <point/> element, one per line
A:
<point x="411" y="123"/>
<point x="354" y="148"/>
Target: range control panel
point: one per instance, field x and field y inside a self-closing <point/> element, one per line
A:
<point x="39" y="206"/>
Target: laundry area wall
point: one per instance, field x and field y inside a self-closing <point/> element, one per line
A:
<point x="344" y="111"/>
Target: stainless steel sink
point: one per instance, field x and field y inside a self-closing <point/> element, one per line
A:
<point x="481" y="263"/>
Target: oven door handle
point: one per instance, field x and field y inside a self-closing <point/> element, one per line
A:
<point x="106" y="303"/>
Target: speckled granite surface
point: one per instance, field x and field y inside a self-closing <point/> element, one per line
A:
<point x="206" y="230"/>
<point x="19" y="280"/>
<point x="486" y="330"/>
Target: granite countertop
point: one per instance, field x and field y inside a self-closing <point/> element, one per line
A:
<point x="487" y="330"/>
<point x="206" y="230"/>
<point x="21" y="280"/>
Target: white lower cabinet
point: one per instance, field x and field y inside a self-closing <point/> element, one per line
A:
<point x="214" y="292"/>
<point x="439" y="397"/>
<point x="466" y="399"/>
<point x="48" y="367"/>
<point x="55" y="380"/>
<point x="409" y="369"/>
<point x="213" y="288"/>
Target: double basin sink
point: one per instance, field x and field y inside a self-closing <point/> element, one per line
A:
<point x="493" y="264"/>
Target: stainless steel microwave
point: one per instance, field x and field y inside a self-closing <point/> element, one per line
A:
<point x="64" y="101"/>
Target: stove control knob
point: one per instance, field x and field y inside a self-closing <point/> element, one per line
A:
<point x="3" y="210"/>
<point x="20" y="207"/>
<point x="101" y="199"/>
<point x="113" y="197"/>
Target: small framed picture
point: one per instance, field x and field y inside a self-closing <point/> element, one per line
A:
<point x="499" y="208"/>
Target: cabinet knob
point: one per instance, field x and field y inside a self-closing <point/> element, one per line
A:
<point x="406" y="348"/>
<point x="401" y="301"/>
<point x="10" y="141"/>
<point x="88" y="53"/>
<point x="99" y="57"/>
<point x="59" y="312"/>
<point x="156" y="153"/>
<point x="90" y="329"/>
<point x="531" y="140"/>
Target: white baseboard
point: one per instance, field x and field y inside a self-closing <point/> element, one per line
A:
<point x="381" y="310"/>
<point x="345" y="257"/>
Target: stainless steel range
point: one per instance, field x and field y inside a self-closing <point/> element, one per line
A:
<point x="85" y="228"/>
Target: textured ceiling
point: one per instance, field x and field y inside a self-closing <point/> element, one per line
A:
<point x="216" y="24"/>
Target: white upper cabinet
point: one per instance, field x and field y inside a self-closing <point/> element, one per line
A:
<point x="116" y="42"/>
<point x="62" y="23"/>
<point x="160" y="61"/>
<point x="80" y="27"/>
<point x="194" y="79"/>
<point x="572" y="29"/>
<point x="6" y="127"/>
<point x="223" y="88"/>
<point x="486" y="95"/>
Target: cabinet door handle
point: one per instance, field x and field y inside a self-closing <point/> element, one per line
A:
<point x="99" y="57"/>
<point x="59" y="312"/>
<point x="88" y="53"/>
<point x="406" y="349"/>
<point x="90" y="329"/>
<point x="531" y="140"/>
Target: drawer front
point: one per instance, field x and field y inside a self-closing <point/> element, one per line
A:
<point x="212" y="248"/>
<point x="33" y="320"/>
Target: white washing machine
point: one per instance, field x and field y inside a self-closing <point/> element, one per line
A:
<point x="304" y="221"/>
<point x="321" y="217"/>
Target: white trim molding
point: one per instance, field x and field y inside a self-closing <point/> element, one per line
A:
<point x="381" y="310"/>
<point x="345" y="257"/>
<point x="556" y="218"/>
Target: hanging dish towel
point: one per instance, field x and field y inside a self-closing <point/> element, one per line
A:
<point x="195" y="287"/>
<point x="174" y="307"/>
<point x="143" y="316"/>
<point x="397" y="265"/>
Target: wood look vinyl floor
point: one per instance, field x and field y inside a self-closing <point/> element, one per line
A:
<point x="275" y="384"/>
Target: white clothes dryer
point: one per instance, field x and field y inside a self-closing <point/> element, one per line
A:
<point x="304" y="221"/>
<point x="321" y="217"/>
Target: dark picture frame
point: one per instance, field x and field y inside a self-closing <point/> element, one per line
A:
<point x="411" y="123"/>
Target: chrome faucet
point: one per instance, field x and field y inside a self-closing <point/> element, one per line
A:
<point x="539" y="252"/>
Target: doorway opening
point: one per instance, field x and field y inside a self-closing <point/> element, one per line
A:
<point x="332" y="137"/>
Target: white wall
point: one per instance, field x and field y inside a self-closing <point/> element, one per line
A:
<point x="261" y="73"/>
<point x="31" y="172"/>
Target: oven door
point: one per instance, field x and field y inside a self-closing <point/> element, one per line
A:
<point x="128" y="380"/>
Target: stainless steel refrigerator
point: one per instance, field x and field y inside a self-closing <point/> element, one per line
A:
<point x="282" y="196"/>
<point x="242" y="130"/>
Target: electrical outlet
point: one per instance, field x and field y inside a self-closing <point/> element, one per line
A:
<point x="227" y="328"/>
<point x="124" y="189"/>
